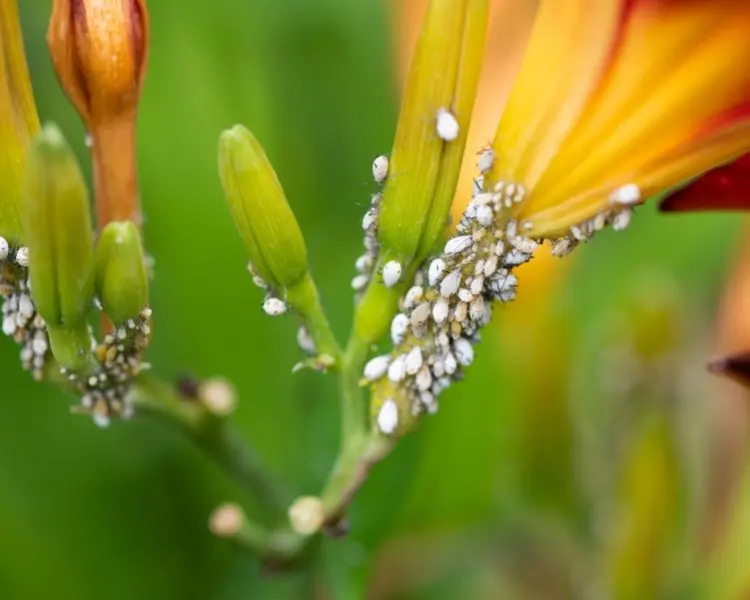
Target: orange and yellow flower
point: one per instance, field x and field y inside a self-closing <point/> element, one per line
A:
<point x="618" y="92"/>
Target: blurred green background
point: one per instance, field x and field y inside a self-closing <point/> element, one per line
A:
<point x="576" y="461"/>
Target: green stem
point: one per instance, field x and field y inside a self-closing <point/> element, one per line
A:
<point x="214" y="435"/>
<point x="304" y="298"/>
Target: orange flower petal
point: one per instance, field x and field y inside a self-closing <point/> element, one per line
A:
<point x="617" y="92"/>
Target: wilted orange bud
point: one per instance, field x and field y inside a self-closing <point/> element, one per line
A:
<point x="99" y="50"/>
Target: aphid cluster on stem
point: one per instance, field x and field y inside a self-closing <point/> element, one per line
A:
<point x="104" y="394"/>
<point x="451" y="298"/>
<point x="20" y="320"/>
<point x="366" y="262"/>
<point x="104" y="387"/>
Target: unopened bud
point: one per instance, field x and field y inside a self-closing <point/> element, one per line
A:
<point x="427" y="152"/>
<point x="99" y="50"/>
<point x="121" y="279"/>
<point x="307" y="515"/>
<point x="265" y="220"/>
<point x="57" y="226"/>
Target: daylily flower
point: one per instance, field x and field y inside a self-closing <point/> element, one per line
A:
<point x="640" y="93"/>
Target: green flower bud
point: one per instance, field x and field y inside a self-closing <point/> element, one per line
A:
<point x="260" y="210"/>
<point x="432" y="126"/>
<point x="57" y="225"/>
<point x="121" y="279"/>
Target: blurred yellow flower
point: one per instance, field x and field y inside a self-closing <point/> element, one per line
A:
<point x="18" y="119"/>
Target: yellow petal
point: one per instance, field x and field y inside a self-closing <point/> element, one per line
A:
<point x="18" y="118"/>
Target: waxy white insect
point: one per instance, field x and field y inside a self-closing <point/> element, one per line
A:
<point x="4" y="248"/>
<point x="380" y="169"/>
<point x="376" y="367"/>
<point x="274" y="307"/>
<point x="447" y="125"/>
<point x="391" y="273"/>
<point x="388" y="417"/>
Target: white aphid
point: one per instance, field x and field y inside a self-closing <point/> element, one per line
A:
<point x="423" y="379"/>
<point x="4" y="248"/>
<point x="388" y="417"/>
<point x="449" y="284"/>
<point x="435" y="270"/>
<point x="413" y="361"/>
<point x="399" y="327"/>
<point x="485" y="216"/>
<point x="377" y="367"/>
<point x="440" y="311"/>
<point x="465" y="295"/>
<point x="486" y="160"/>
<point x="391" y="273"/>
<point x="526" y="245"/>
<point x="305" y="341"/>
<point x="274" y="307"/>
<point x="464" y="351"/>
<point x="458" y="244"/>
<point x="25" y="306"/>
<point x="447" y="125"/>
<point x="450" y="364"/>
<point x="413" y="296"/>
<point x="621" y="220"/>
<point x="420" y="314"/>
<point x="627" y="195"/>
<point x="397" y="369"/>
<point x="363" y="263"/>
<point x="22" y="257"/>
<point x="370" y="219"/>
<point x="359" y="282"/>
<point x="380" y="169"/>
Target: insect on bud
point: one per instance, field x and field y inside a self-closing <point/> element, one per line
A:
<point x="57" y="224"/>
<point x="263" y="217"/>
<point x="121" y="279"/>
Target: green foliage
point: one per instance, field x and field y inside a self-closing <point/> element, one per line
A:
<point x="122" y="513"/>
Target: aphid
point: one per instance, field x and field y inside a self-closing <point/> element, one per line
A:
<point x="377" y="367"/>
<point x="397" y="369"/>
<point x="391" y="273"/>
<point x="274" y="307"/>
<point x="464" y="351"/>
<point x="485" y="216"/>
<point x="447" y="125"/>
<point x="380" y="169"/>
<point x="22" y="257"/>
<point x="305" y="341"/>
<point x="370" y="219"/>
<point x="388" y="417"/>
<point x="627" y="195"/>
<point x="440" y="311"/>
<point x="399" y="327"/>
<point x="413" y="296"/>
<point x="449" y="284"/>
<point x="4" y="248"/>
<point x="413" y="361"/>
<point x="486" y="160"/>
<point x="458" y="244"/>
<point x="359" y="282"/>
<point x="621" y="220"/>
<point x="435" y="270"/>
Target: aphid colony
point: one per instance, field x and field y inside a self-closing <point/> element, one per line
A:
<point x="441" y="314"/>
<point x="452" y="294"/>
<point x="104" y="390"/>
<point x="20" y="321"/>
